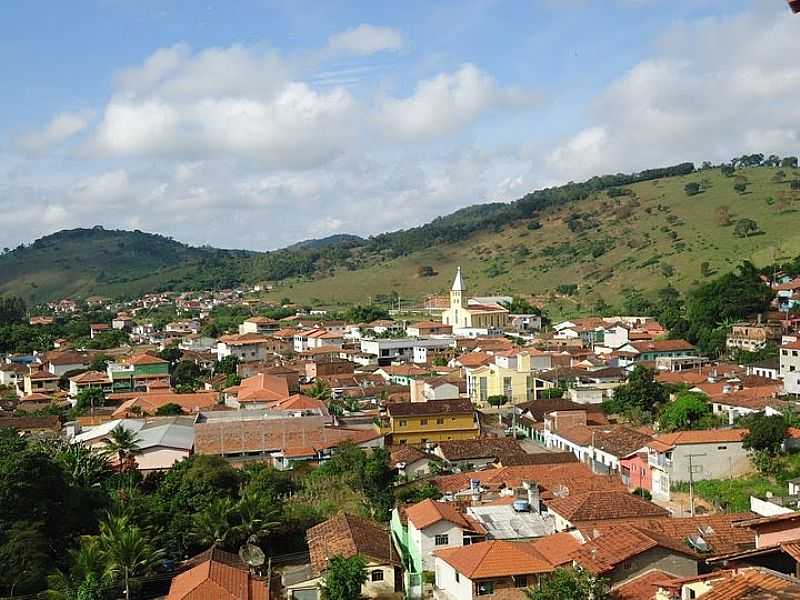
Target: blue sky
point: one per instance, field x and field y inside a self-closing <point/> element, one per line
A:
<point x="255" y="124"/>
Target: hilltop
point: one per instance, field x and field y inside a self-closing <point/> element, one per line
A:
<point x="570" y="245"/>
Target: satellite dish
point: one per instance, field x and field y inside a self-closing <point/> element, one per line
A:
<point x="561" y="491"/>
<point x="251" y="554"/>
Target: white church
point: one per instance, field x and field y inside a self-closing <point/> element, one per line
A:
<point x="474" y="313"/>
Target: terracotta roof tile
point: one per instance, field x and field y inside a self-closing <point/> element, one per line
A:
<point x="347" y="535"/>
<point x="481" y="448"/>
<point x="217" y="575"/>
<point x="603" y="505"/>
<point x="756" y="584"/>
<point x="643" y="586"/>
<point x="427" y="512"/>
<point x="499" y="558"/>
<point x="701" y="436"/>
<point x="434" y="407"/>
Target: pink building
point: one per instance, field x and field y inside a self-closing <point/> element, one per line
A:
<point x="634" y="470"/>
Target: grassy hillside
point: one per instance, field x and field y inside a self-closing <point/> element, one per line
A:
<point x="657" y="235"/>
<point x="600" y="236"/>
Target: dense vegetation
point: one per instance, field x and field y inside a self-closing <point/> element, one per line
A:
<point x="86" y="531"/>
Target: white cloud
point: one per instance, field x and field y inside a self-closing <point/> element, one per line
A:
<point x="60" y="128"/>
<point x="365" y="40"/>
<point x="447" y="103"/>
<point x="715" y="89"/>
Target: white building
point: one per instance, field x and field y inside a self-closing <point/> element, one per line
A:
<point x="790" y="367"/>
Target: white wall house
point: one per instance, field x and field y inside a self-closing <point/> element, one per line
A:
<point x="790" y="367"/>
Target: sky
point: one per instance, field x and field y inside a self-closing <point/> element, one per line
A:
<point x="255" y="124"/>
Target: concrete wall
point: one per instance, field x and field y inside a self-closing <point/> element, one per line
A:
<point x="159" y="458"/>
<point x="423" y="543"/>
<point x="455" y="586"/>
<point x="721" y="461"/>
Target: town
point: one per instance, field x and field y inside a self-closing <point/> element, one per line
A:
<point x="465" y="447"/>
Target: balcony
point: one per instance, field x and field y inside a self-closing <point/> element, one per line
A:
<point x="659" y="461"/>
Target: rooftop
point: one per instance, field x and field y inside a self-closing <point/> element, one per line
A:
<point x="604" y="505"/>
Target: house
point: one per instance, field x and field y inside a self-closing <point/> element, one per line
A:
<point x="12" y="375"/>
<point x="524" y="323"/>
<point x="389" y="350"/>
<point x="433" y="389"/>
<point x="510" y="375"/>
<point x="410" y="462"/>
<point x="490" y="567"/>
<point x="653" y="350"/>
<point x="585" y="510"/>
<point x="627" y="551"/>
<point x="137" y="372"/>
<point x="162" y="441"/>
<point x="768" y="369"/>
<point x="89" y="379"/>
<point x="790" y="367"/>
<point x="467" y="315"/>
<point x="249" y="347"/>
<point x="96" y="329"/>
<point x="310" y="339"/>
<point x="772" y="530"/>
<point x="751" y="337"/>
<point x="707" y="454"/>
<point x="403" y="374"/>
<point x="756" y="583"/>
<point x="42" y="382"/>
<point x="219" y="575"/>
<point x="733" y="403"/>
<point x="386" y="326"/>
<point x="183" y="326"/>
<point x="258" y="391"/>
<point x="147" y="404"/>
<point x="428" y="329"/>
<point x="122" y="322"/>
<point x="260" y="325"/>
<point x="416" y="423"/>
<point x="468" y="455"/>
<point x="61" y="363"/>
<point x="346" y="535"/>
<point x="430" y="525"/>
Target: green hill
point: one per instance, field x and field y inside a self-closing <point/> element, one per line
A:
<point x="601" y="235"/>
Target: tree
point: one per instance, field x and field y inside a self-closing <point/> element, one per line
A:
<point x="213" y="524"/>
<point x="228" y="365"/>
<point x="741" y="188"/>
<point x="127" y="550"/>
<point x="12" y="310"/>
<point x="789" y="162"/>
<point x="497" y="400"/>
<point x="764" y="434"/>
<point x="795" y="185"/>
<point x="569" y="584"/>
<point x="124" y="443"/>
<point x="168" y="409"/>
<point x="745" y="228"/>
<point x="257" y="516"/>
<point x="185" y="374"/>
<point x="425" y="271"/>
<point x="642" y="393"/>
<point x="692" y="188"/>
<point x="86" y="577"/>
<point x="320" y="390"/>
<point x="24" y="558"/>
<point x="689" y="410"/>
<point x="83" y="465"/>
<point x="343" y="578"/>
<point x="91" y="398"/>
<point x="99" y="362"/>
<point x="705" y="269"/>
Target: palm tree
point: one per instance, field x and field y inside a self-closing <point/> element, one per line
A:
<point x="320" y="390"/>
<point x="126" y="549"/>
<point x="87" y="573"/>
<point x="85" y="466"/>
<point x="255" y="516"/>
<point x="124" y="443"/>
<point x="212" y="525"/>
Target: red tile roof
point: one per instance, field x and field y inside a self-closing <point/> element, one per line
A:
<point x="604" y="505"/>
<point x="218" y="576"/>
<point x="756" y="584"/>
<point x="701" y="436"/>
<point x="426" y="513"/>
<point x="499" y="558"/>
<point x="347" y="535"/>
<point x="644" y="586"/>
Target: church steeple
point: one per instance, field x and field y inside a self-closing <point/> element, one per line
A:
<point x="456" y="297"/>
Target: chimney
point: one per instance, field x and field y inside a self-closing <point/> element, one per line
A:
<point x="533" y="495"/>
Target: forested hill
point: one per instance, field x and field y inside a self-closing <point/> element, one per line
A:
<point x="581" y="235"/>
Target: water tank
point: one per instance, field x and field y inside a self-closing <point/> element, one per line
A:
<point x="521" y="506"/>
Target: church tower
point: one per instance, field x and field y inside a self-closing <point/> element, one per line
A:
<point x="456" y="292"/>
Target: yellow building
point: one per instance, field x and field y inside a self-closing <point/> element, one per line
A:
<point x="511" y="375"/>
<point x="416" y="423"/>
<point x="464" y="314"/>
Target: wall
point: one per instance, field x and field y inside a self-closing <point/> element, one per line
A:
<point x="446" y="581"/>
<point x="423" y="543"/>
<point x="159" y="458"/>
<point x="722" y="461"/>
<point x="775" y="533"/>
<point x="657" y="558"/>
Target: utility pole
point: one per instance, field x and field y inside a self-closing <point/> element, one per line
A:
<point x="691" y="482"/>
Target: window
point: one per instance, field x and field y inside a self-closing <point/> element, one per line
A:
<point x="521" y="581"/>
<point x="442" y="539"/>
<point x="440" y="421"/>
<point x="722" y="447"/>
<point x="423" y="421"/>
<point x="458" y="577"/>
<point x="485" y="588"/>
<point x="403" y="423"/>
<point x="377" y="575"/>
<point x="627" y="566"/>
